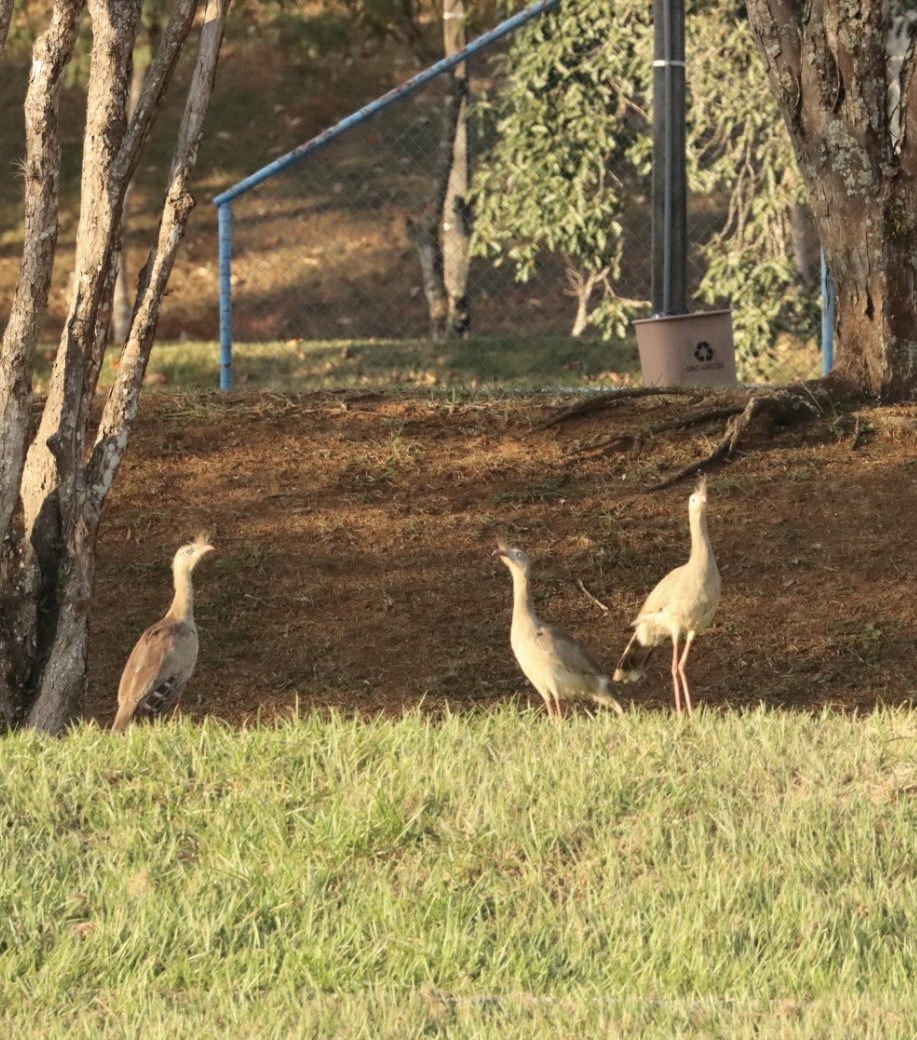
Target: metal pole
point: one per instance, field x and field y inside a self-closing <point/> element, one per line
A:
<point x="224" y="215"/>
<point x="670" y="190"/>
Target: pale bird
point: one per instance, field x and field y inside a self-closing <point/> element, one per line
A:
<point x="164" y="657"/>
<point x="681" y="605"/>
<point x="555" y="663"/>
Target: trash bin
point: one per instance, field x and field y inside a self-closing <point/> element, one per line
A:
<point x="687" y="349"/>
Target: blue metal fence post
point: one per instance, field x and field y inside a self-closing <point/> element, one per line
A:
<point x="224" y="213"/>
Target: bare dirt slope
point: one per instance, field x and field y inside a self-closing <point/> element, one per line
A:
<point x="355" y="537"/>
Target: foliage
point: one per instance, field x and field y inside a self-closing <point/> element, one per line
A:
<point x="572" y="158"/>
<point x="483" y="875"/>
<point x="739" y="150"/>
<point x="565" y="123"/>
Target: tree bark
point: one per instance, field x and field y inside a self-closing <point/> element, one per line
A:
<point x="6" y="16"/>
<point x="62" y="492"/>
<point x="42" y="164"/>
<point x="456" y="214"/>
<point x="828" y="66"/>
<point x="123" y="302"/>
<point x="124" y="397"/>
<point x="18" y="576"/>
<point x="423" y="232"/>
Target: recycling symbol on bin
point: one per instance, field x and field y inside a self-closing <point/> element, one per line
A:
<point x="703" y="351"/>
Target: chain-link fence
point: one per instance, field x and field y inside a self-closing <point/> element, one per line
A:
<point x="328" y="249"/>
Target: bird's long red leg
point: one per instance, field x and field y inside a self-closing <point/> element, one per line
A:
<point x="684" y="678"/>
<point x="549" y="704"/>
<point x="675" y="675"/>
<point x="560" y="711"/>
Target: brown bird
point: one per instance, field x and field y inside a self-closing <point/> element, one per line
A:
<point x="682" y="604"/>
<point x="553" y="661"/>
<point x="163" y="658"/>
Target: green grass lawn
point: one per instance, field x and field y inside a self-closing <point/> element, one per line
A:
<point x="374" y="364"/>
<point x="478" y="363"/>
<point x="486" y="875"/>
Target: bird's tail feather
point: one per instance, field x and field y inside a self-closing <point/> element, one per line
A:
<point x="607" y="701"/>
<point x="123" y="718"/>
<point x="633" y="661"/>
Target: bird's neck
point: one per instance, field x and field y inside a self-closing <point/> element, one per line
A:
<point x="701" y="549"/>
<point x="183" y="602"/>
<point x="523" y="608"/>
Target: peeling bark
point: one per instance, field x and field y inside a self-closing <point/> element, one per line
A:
<point x="6" y="16"/>
<point x="828" y="65"/>
<point x="456" y="211"/>
<point x="42" y="164"/>
<point x="47" y="568"/>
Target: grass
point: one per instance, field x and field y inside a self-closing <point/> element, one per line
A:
<point x="483" y="875"/>
<point x="474" y="364"/>
<point x="300" y="366"/>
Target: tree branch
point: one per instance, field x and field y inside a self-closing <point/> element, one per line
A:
<point x="51" y="55"/>
<point x="123" y="398"/>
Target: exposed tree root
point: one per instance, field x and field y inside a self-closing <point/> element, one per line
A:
<point x="636" y="440"/>
<point x="611" y="399"/>
<point x="782" y="407"/>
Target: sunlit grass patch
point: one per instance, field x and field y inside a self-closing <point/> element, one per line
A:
<point x="478" y="868"/>
<point x="298" y="365"/>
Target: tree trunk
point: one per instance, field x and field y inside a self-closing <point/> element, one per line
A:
<point x="423" y="232"/>
<point x="123" y="304"/>
<point x="582" y="286"/>
<point x="456" y="222"/>
<point x="19" y="585"/>
<point x="47" y="569"/>
<point x="828" y="66"/>
<point x="6" y="16"/>
<point x="42" y="163"/>
<point x="53" y="495"/>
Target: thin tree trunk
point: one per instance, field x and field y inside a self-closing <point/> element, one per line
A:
<point x="18" y="574"/>
<point x="582" y="286"/>
<point x="456" y="222"/>
<point x="61" y="510"/>
<point x="6" y="16"/>
<point x="42" y="162"/>
<point x="423" y="232"/>
<point x="124" y="301"/>
<point x="124" y="397"/>
<point x="53" y="494"/>
<point x="828" y="66"/>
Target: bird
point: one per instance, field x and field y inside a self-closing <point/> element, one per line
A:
<point x="553" y="661"/>
<point x="163" y="658"/>
<point x="681" y="605"/>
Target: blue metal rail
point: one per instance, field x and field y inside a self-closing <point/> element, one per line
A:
<point x="223" y="202"/>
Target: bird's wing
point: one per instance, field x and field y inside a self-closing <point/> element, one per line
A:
<point x="158" y="667"/>
<point x="663" y="593"/>
<point x="566" y="652"/>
